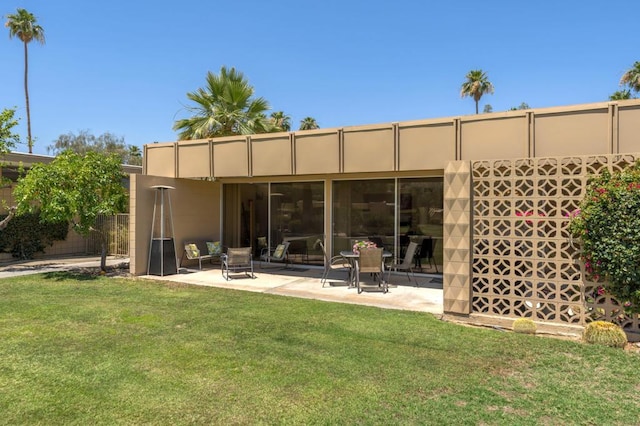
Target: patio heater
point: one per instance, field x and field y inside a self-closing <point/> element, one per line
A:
<point x="162" y="249"/>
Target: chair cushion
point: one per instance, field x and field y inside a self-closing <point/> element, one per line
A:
<point x="279" y="252"/>
<point x="192" y="250"/>
<point x="214" y="247"/>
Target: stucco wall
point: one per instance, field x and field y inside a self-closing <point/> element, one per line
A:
<point x="196" y="214"/>
<point x="599" y="128"/>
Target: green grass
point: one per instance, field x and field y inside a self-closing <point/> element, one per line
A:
<point x="75" y="350"/>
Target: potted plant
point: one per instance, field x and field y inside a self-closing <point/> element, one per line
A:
<point x="362" y="244"/>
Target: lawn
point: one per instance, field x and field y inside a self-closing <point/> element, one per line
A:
<point x="98" y="350"/>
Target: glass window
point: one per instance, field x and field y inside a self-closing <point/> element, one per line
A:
<point x="363" y="209"/>
<point x="297" y="216"/>
<point x="420" y="219"/>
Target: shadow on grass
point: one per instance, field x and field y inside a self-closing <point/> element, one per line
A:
<point x="70" y="275"/>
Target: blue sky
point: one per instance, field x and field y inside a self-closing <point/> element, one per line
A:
<point x="125" y="66"/>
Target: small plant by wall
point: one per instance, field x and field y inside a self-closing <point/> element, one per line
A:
<point x="26" y="235"/>
<point x="605" y="333"/>
<point x="524" y="325"/>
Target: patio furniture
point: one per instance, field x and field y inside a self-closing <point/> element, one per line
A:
<point x="407" y="262"/>
<point x="426" y="251"/>
<point x="353" y="259"/>
<point x="335" y="263"/>
<point x="370" y="261"/>
<point x="298" y="247"/>
<point x="235" y="260"/>
<point x="279" y="255"/>
<point x="196" y="250"/>
<point x="404" y="241"/>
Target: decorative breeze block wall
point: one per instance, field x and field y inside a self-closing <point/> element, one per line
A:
<point x="523" y="262"/>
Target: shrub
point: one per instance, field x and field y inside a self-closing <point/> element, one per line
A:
<point x="524" y="325"/>
<point x="605" y="333"/>
<point x="26" y="235"/>
<point x="607" y="226"/>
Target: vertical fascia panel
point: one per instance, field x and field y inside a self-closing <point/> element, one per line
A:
<point x="293" y="154"/>
<point x="458" y="138"/>
<point x="341" y="148"/>
<point x="144" y="159"/>
<point x="211" y="159"/>
<point x="249" y="153"/>
<point x="531" y="148"/>
<point x="614" y="143"/>
<point x="175" y="159"/>
<point x="396" y="146"/>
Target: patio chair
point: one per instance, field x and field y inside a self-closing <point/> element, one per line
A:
<point x="370" y="261"/>
<point x="237" y="259"/>
<point x="193" y="252"/>
<point x="426" y="252"/>
<point x="335" y="263"/>
<point x="407" y="262"/>
<point x="279" y="255"/>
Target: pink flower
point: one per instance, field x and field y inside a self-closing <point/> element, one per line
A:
<point x="529" y="213"/>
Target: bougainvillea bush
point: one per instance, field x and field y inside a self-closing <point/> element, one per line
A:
<point x="607" y="226"/>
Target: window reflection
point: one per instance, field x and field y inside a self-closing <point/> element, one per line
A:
<point x="370" y="210"/>
<point x="297" y="216"/>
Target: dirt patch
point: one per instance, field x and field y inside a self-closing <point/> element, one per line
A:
<point x="120" y="270"/>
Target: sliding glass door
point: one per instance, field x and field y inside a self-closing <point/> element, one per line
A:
<point x="392" y="213"/>
<point x="263" y="215"/>
<point x="297" y="216"/>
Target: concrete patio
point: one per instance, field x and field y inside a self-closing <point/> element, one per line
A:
<point x="304" y="281"/>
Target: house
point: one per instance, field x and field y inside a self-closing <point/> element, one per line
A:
<point x="466" y="182"/>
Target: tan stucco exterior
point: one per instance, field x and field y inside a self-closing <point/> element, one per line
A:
<point x="600" y="128"/>
<point x="455" y="148"/>
<point x="196" y="214"/>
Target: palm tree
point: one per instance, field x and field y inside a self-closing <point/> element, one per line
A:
<point x="224" y="107"/>
<point x="631" y="77"/>
<point x="308" y="123"/>
<point x="281" y="121"/>
<point x="23" y="25"/>
<point x="135" y="155"/>
<point x="477" y="84"/>
<point x="620" y="95"/>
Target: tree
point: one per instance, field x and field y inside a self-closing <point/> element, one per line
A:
<point x="75" y="188"/>
<point x="487" y="109"/>
<point x="281" y="121"/>
<point x="8" y="139"/>
<point x="107" y="143"/>
<point x="477" y="84"/>
<point x="135" y="156"/>
<point x="631" y="77"/>
<point x="620" y="95"/>
<point x="522" y="106"/>
<point x="308" y="123"/>
<point x="23" y="25"/>
<point x="224" y="107"/>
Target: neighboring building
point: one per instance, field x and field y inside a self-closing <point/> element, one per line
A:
<point x="464" y="181"/>
<point x="10" y="166"/>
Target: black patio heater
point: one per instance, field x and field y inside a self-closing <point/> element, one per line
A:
<point x="162" y="249"/>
